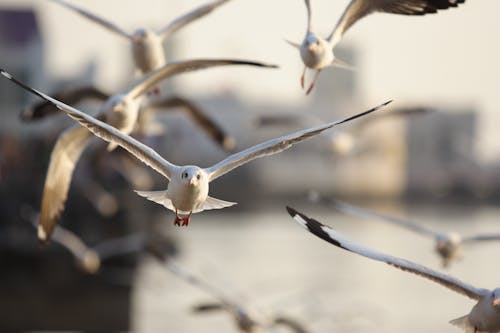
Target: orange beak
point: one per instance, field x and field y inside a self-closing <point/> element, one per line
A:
<point x="192" y="181"/>
<point x="496" y="302"/>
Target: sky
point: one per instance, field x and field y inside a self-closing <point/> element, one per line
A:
<point x="447" y="60"/>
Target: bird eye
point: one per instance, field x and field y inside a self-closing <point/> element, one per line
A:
<point x="198" y="176"/>
<point x="184" y="175"/>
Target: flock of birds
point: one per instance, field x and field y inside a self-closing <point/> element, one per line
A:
<point x="187" y="191"/>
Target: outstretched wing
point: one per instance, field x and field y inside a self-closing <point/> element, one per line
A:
<point x="328" y="234"/>
<point x="189" y="17"/>
<point x="365" y="213"/>
<point x="174" y="68"/>
<point x="108" y="133"/>
<point x="96" y="19"/>
<point x="275" y="146"/>
<point x="357" y="9"/>
<point x="481" y="238"/>
<point x="207" y="125"/>
<point x="69" y="96"/>
<point x="65" y="155"/>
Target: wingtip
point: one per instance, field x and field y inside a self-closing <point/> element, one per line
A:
<point x="6" y="74"/>
<point x="291" y="211"/>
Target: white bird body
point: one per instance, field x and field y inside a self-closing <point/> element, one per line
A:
<point x="147" y="50"/>
<point x="181" y="191"/>
<point x="483" y="317"/>
<point x="316" y="52"/>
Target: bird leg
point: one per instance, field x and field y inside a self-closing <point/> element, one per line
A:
<point x="313" y="82"/>
<point x="178" y="219"/>
<point x="302" y="78"/>
<point x="185" y="220"/>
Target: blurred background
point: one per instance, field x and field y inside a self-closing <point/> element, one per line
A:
<point x="440" y="167"/>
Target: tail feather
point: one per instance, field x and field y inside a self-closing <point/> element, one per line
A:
<point x="160" y="197"/>
<point x="463" y="323"/>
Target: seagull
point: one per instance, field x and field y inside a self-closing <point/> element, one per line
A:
<point x="188" y="186"/>
<point x="146" y="125"/>
<point x="447" y="245"/>
<point x="247" y="321"/>
<point x="147" y="45"/>
<point x="317" y="52"/>
<point x="484" y="316"/>
<point x="120" y="111"/>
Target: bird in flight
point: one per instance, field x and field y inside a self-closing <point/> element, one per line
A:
<point x="121" y="111"/>
<point x="317" y="52"/>
<point x="484" y="316"/>
<point x="188" y="186"/>
<point x="147" y="45"/>
<point x="448" y="245"/>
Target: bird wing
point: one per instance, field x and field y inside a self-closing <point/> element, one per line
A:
<point x="357" y="9"/>
<point x="309" y="15"/>
<point x="70" y="240"/>
<point x="275" y="146"/>
<point x="200" y="119"/>
<point x="189" y="17"/>
<point x="66" y="153"/>
<point x="328" y="234"/>
<point x="96" y="19"/>
<point x="365" y="213"/>
<point x="108" y="133"/>
<point x="481" y="238"/>
<point x="69" y="96"/>
<point x="174" y="68"/>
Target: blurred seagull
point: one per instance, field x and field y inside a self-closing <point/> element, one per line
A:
<point x="188" y="186"/>
<point x="120" y="111"/>
<point x="484" y="316"/>
<point x="317" y="53"/>
<point x="147" y="45"/>
<point x="246" y="320"/>
<point x="448" y="245"/>
<point x="145" y="125"/>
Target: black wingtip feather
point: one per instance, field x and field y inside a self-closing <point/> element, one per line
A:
<point x="314" y="227"/>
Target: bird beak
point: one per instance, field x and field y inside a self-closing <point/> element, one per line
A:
<point x="311" y="47"/>
<point x="496" y="302"/>
<point x="192" y="181"/>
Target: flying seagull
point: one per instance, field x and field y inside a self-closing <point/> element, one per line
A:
<point x="317" y="52"/>
<point x="246" y="320"/>
<point x="484" y="316"/>
<point x="447" y="245"/>
<point x="120" y="111"/>
<point x="147" y="45"/>
<point x="188" y="185"/>
<point x="73" y="96"/>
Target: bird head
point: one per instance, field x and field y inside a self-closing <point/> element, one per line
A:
<point x="90" y="262"/>
<point x="313" y="43"/>
<point x="192" y="175"/>
<point x="141" y="34"/>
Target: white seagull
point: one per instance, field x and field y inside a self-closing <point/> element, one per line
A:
<point x="121" y="111"/>
<point x="317" y="52"/>
<point x="247" y="319"/>
<point x="147" y="45"/>
<point x="188" y="185"/>
<point x="484" y="316"/>
<point x="448" y="245"/>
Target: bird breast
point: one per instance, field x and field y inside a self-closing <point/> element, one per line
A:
<point x="318" y="57"/>
<point x="148" y="54"/>
<point x="187" y="198"/>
